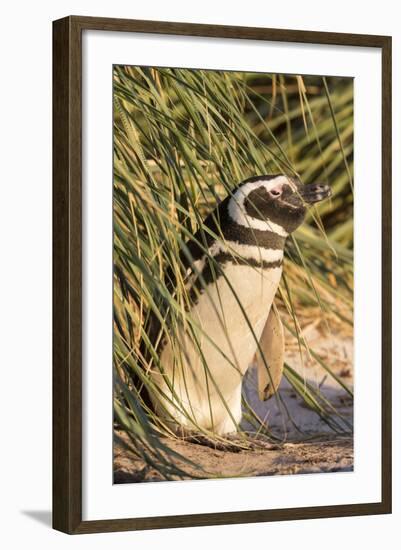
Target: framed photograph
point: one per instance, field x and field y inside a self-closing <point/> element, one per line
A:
<point x="222" y="274"/>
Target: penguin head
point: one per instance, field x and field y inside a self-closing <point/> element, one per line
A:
<point x="276" y="203"/>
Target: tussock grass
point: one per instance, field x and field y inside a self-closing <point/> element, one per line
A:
<point x="182" y="140"/>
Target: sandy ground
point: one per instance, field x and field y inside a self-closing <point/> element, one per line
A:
<point x="309" y="445"/>
<point x="289" y="458"/>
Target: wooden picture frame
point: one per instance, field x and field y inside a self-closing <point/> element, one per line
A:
<point x="67" y="273"/>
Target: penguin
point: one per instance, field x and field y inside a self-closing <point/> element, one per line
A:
<point x="231" y="269"/>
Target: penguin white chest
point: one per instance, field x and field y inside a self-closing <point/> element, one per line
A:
<point x="231" y="314"/>
<point x="203" y="374"/>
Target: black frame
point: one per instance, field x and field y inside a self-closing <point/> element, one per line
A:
<point x="67" y="274"/>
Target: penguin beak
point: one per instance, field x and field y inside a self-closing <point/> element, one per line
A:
<point x="315" y="192"/>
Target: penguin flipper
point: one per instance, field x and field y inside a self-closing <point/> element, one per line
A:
<point x="272" y="345"/>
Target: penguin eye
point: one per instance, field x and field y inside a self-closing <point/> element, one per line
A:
<point x="276" y="192"/>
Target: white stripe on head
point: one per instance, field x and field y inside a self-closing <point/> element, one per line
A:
<point x="236" y="208"/>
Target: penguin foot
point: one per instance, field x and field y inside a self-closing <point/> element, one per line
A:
<point x="223" y="444"/>
<point x="254" y="444"/>
<point x="233" y="442"/>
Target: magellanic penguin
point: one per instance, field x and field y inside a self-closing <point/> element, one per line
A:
<point x="233" y="268"/>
